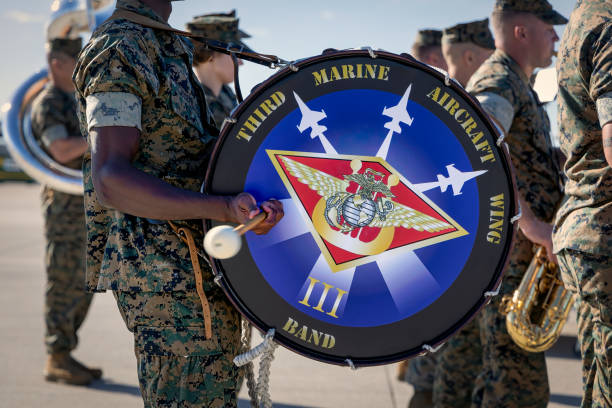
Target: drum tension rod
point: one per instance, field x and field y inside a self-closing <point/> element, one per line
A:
<point x="370" y="51"/>
<point x="350" y="364"/>
<point x="432" y="349"/>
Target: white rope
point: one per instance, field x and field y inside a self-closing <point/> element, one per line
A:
<point x="259" y="390"/>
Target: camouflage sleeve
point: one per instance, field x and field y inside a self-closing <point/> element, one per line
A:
<point x="53" y="133"/>
<point x="498" y="97"/>
<point x="48" y="122"/>
<point x="124" y="66"/>
<point x="601" y="75"/>
<point x="113" y="109"/>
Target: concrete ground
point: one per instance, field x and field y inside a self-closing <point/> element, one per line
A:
<point x="295" y="381"/>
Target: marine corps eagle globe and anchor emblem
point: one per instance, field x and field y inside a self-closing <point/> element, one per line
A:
<point x="397" y="204"/>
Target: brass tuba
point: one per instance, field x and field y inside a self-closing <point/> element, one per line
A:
<point x="68" y="18"/>
<point x="538" y="309"/>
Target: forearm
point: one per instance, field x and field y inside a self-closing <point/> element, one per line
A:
<point x="132" y="191"/>
<point x="65" y="150"/>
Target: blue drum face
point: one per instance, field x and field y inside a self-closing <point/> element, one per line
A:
<point x="397" y="205"/>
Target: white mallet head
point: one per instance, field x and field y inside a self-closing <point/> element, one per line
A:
<point x="222" y="242"/>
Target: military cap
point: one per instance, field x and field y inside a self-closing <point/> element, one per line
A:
<point x="428" y="38"/>
<point x="476" y="32"/>
<point x="541" y="8"/>
<point x="68" y="46"/>
<point x="219" y="26"/>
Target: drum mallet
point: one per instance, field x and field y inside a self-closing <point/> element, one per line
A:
<point x="224" y="241"/>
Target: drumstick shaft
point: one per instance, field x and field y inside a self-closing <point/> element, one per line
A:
<point x="241" y="229"/>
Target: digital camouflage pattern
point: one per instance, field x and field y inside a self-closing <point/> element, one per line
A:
<point x="458" y="364"/>
<point x="218" y="26"/>
<point x="220" y="106"/>
<point x="541" y="8"/>
<point x="583" y="227"/>
<point x="512" y="377"/>
<point x="590" y="275"/>
<point x="145" y="263"/>
<point x="420" y="372"/>
<point x="66" y="301"/>
<point x="476" y="32"/>
<point x="176" y="364"/>
<point x="584" y="222"/>
<point x="428" y="38"/>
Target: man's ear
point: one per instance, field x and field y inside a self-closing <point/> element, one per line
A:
<point x="520" y="32"/>
<point x="469" y="57"/>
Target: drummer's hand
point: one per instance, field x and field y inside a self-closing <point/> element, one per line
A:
<point x="243" y="207"/>
<point x="274" y="209"/>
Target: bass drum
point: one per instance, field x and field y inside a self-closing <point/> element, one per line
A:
<point x="398" y="206"/>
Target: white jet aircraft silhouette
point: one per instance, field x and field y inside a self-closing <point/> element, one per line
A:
<point x="456" y="179"/>
<point x="310" y="119"/>
<point x="398" y="113"/>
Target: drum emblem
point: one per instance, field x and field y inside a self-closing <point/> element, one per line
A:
<point x="360" y="205"/>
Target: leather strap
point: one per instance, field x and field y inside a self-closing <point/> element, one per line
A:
<point x="219" y="46"/>
<point x="187" y="237"/>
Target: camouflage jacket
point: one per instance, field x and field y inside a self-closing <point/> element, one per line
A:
<point x="220" y="106"/>
<point x="528" y="135"/>
<point x="152" y="69"/>
<point x="584" y="67"/>
<point x="54" y="116"/>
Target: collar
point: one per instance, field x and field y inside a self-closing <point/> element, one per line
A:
<point x="512" y="64"/>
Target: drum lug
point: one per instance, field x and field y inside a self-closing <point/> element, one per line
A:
<point x="370" y="51"/>
<point x="432" y="349"/>
<point x="350" y="363"/>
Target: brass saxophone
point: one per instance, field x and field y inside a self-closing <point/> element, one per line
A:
<point x="538" y="309"/>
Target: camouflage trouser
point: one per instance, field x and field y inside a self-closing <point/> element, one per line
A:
<point x="177" y="366"/>
<point x="590" y="276"/>
<point x="420" y="372"/>
<point x="66" y="301"/>
<point x="458" y="364"/>
<point x="511" y="377"/>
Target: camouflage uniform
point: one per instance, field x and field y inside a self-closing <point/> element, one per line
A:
<point x="460" y="361"/>
<point x="130" y="75"/>
<point x="54" y="117"/>
<point x="583" y="226"/>
<point x="221" y="27"/>
<point x="511" y="376"/>
<point x="220" y="106"/>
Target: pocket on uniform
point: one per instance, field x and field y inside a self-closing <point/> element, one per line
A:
<point x="188" y="341"/>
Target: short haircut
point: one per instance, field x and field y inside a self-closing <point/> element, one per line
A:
<point x="420" y="52"/>
<point x="500" y="19"/>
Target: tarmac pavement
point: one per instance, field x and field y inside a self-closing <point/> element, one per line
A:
<point x="105" y="342"/>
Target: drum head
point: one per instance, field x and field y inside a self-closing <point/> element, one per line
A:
<point x="397" y="206"/>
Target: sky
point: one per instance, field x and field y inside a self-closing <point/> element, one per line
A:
<point x="289" y="29"/>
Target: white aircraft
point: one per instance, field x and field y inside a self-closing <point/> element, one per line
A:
<point x="456" y="179"/>
<point x="310" y="119"/>
<point x="398" y="113"/>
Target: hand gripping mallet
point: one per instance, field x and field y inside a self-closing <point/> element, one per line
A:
<point x="224" y="241"/>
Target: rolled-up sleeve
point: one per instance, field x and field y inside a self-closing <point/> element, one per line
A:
<point x="113" y="109"/>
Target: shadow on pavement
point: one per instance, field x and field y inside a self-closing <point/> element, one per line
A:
<point x="243" y="403"/>
<point x="110" y="386"/>
<point x="569" y="400"/>
<point x="563" y="348"/>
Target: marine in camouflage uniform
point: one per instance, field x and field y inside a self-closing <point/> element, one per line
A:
<point x="216" y="70"/>
<point x="511" y="376"/>
<point x="583" y="226"/>
<point x="54" y="121"/>
<point x="467" y="46"/>
<point x="135" y="86"/>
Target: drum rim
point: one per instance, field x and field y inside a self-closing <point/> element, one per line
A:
<point x="502" y="149"/>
